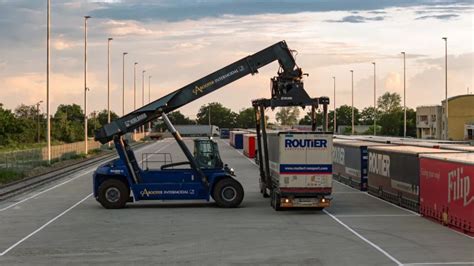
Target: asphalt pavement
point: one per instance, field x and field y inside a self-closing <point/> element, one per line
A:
<point x="61" y="223"/>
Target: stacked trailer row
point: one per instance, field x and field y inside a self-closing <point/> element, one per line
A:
<point x="447" y="189"/>
<point x="394" y="173"/>
<point x="351" y="161"/>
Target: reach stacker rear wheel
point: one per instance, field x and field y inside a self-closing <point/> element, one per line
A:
<point x="228" y="193"/>
<point x="113" y="194"/>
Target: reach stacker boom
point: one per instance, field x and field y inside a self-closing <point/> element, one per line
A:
<point x="204" y="175"/>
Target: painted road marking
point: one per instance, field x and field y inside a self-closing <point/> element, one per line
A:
<point x="59" y="215"/>
<point x="364" y="239"/>
<point x="374" y="215"/>
<point x="43" y="226"/>
<point x="239" y="152"/>
<point x="365" y="193"/>
<point x="441" y="263"/>
<point x="346" y="226"/>
<point x="78" y="175"/>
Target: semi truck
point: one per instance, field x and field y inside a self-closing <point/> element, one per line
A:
<point x="300" y="169"/>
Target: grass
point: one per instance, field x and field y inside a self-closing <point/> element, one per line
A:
<point x="9" y="175"/>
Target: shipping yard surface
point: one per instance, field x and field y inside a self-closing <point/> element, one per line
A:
<point x="63" y="223"/>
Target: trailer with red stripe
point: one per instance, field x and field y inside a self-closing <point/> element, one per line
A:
<point x="300" y="169"/>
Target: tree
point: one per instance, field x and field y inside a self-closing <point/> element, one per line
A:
<point x="220" y="116"/>
<point x="367" y="116"/>
<point x="389" y="102"/>
<point x="344" y="115"/>
<point x="306" y="120"/>
<point x="9" y="127"/>
<point x="68" y="123"/>
<point x="288" y="116"/>
<point x="246" y="118"/>
<point x="176" y="118"/>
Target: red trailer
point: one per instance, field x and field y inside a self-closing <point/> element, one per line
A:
<point x="447" y="189"/>
<point x="249" y="145"/>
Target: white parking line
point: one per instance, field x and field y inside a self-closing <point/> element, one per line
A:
<point x="239" y="152"/>
<point x="61" y="214"/>
<point x="441" y="263"/>
<point x="43" y="226"/>
<point x="374" y="215"/>
<point x="364" y="239"/>
<point x="76" y="176"/>
<point x="365" y="193"/>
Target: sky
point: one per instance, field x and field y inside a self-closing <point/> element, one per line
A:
<point x="177" y="42"/>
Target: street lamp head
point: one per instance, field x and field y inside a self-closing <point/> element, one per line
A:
<point x="445" y="38"/>
<point x="403" y="53"/>
<point x="125" y="53"/>
<point x="143" y="71"/>
<point x="352" y="71"/>
<point x="87" y="17"/>
<point x="136" y="63"/>
<point x="110" y="39"/>
<point x="373" y="63"/>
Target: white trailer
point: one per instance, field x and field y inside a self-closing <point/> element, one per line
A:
<point x="300" y="168"/>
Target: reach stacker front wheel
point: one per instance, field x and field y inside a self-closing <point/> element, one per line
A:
<point x="113" y="194"/>
<point x="228" y="193"/>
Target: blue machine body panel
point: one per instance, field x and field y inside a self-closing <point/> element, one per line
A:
<point x="167" y="184"/>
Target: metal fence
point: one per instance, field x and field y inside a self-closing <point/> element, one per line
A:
<point x="27" y="159"/>
<point x="31" y="158"/>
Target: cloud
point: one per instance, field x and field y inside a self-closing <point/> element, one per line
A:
<point x="441" y="17"/>
<point x="177" y="10"/>
<point x="357" y="19"/>
<point x="122" y="28"/>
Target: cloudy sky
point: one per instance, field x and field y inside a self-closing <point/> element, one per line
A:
<point x="179" y="41"/>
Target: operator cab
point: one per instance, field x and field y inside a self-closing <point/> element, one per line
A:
<point x="206" y="154"/>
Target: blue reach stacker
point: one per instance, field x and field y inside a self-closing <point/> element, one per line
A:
<point x="203" y="175"/>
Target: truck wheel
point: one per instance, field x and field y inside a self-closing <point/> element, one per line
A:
<point x="275" y="200"/>
<point x="113" y="194"/>
<point x="228" y="193"/>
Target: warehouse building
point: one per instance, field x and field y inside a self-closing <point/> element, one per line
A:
<point x="460" y="117"/>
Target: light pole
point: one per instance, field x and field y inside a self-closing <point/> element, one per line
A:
<point x="123" y="82"/>
<point x="375" y="100"/>
<point x="48" y="69"/>
<point x="143" y="94"/>
<point x="143" y="87"/>
<point x="404" y="97"/>
<point x="85" y="83"/>
<point x="335" y="115"/>
<point x="149" y="90"/>
<point x="446" y="83"/>
<point x="149" y="99"/>
<point x="352" y="88"/>
<point x="135" y="86"/>
<point x="38" y="118"/>
<point x="108" y="79"/>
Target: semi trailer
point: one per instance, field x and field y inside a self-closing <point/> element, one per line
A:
<point x="300" y="169"/>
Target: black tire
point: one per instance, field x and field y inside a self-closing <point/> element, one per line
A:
<point x="113" y="194"/>
<point x="275" y="200"/>
<point x="263" y="190"/>
<point x="228" y="193"/>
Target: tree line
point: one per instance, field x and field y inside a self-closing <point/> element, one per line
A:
<point x="26" y="125"/>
